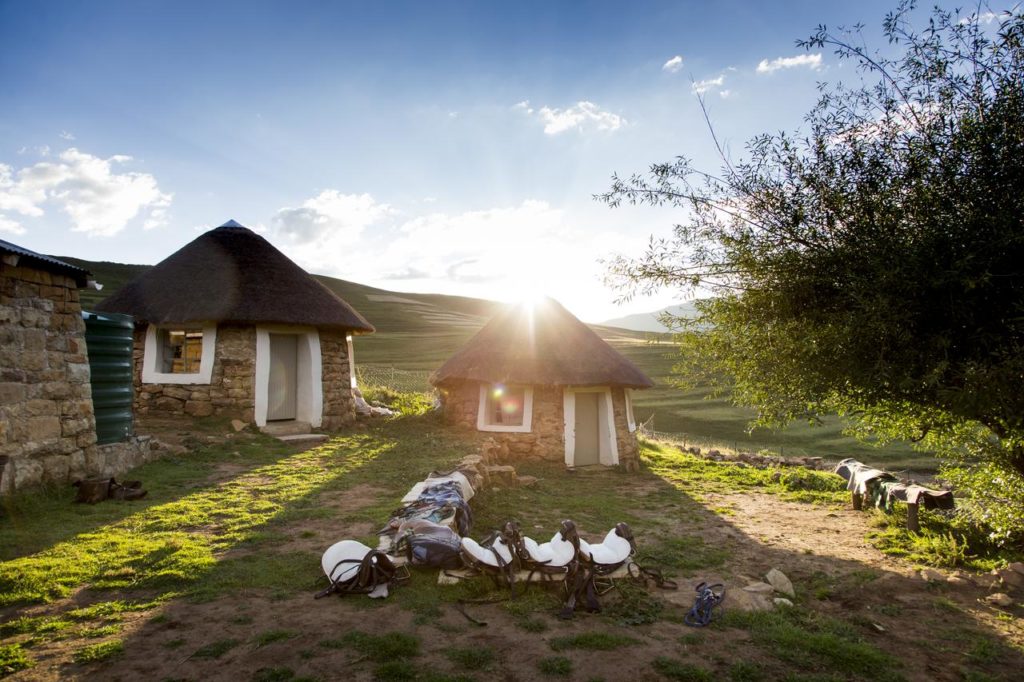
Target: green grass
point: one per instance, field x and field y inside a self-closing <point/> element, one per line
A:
<point x="216" y="649"/>
<point x="271" y="636"/>
<point x="97" y="653"/>
<point x="678" y="670"/>
<point x="13" y="658"/>
<point x="382" y="648"/>
<point x="475" y="658"/>
<point x="555" y="666"/>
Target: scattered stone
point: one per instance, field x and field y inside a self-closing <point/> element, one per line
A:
<point x="526" y="481"/>
<point x="782" y="601"/>
<point x="1017" y="567"/>
<point x="501" y="474"/>
<point x="932" y="576"/>
<point x="759" y="588"/>
<point x="780" y="583"/>
<point x="1000" y="599"/>
<point x="1011" y="577"/>
<point x="237" y="425"/>
<point x="741" y="600"/>
<point x="714" y="453"/>
<point x="960" y="579"/>
<point x="878" y="626"/>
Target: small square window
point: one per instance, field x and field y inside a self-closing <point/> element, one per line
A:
<point x="181" y="350"/>
<point x="505" y="405"/>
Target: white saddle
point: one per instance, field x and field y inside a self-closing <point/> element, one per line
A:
<point x="484" y="555"/>
<point x="614" y="549"/>
<point x="341" y="560"/>
<point x="556" y="553"/>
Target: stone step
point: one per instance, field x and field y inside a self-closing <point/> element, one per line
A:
<point x="286" y="428"/>
<point x="303" y="438"/>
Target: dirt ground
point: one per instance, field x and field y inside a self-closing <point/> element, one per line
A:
<point x="929" y="625"/>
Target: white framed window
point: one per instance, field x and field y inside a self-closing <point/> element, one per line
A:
<point x="178" y="354"/>
<point x="630" y="419"/>
<point x="506" y="408"/>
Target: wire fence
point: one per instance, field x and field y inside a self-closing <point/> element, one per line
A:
<point x="401" y="380"/>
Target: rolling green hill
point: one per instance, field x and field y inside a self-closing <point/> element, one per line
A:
<point x="416" y="333"/>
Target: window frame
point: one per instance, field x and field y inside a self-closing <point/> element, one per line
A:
<point x="482" y="421"/>
<point x="152" y="360"/>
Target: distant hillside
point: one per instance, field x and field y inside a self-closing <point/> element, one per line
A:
<point x="648" y="322"/>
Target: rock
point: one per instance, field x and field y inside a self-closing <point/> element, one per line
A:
<point x="759" y="588"/>
<point x="782" y="601"/>
<point x="237" y="425"/>
<point x="778" y="580"/>
<point x="932" y="576"/>
<point x="714" y="453"/>
<point x="1000" y="599"/>
<point x="742" y="600"/>
<point x="1011" y="577"/>
<point x="1017" y="567"/>
<point x="959" y="578"/>
<point x="526" y="481"/>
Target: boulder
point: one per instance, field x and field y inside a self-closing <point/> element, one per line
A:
<point x="238" y="424"/>
<point x="782" y="601"/>
<point x="780" y="583"/>
<point x="1000" y="599"/>
<point x="742" y="600"/>
<point x="765" y="589"/>
<point x="932" y="576"/>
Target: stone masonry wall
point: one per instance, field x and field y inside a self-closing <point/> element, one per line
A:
<point x="339" y="406"/>
<point x="547" y="439"/>
<point x="229" y="393"/>
<point x="47" y="427"/>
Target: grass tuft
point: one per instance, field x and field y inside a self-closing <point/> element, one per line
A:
<point x="96" y="653"/>
<point x="556" y="666"/>
<point x="592" y="641"/>
<point x="678" y="670"/>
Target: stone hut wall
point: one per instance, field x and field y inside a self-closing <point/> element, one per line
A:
<point x="230" y="391"/>
<point x="547" y="439"/>
<point x="339" y="406"/>
<point x="47" y="426"/>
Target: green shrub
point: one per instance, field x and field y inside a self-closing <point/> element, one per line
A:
<point x="12" y="659"/>
<point x="99" y="652"/>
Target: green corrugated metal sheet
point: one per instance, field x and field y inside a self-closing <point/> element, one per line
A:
<point x="109" y="339"/>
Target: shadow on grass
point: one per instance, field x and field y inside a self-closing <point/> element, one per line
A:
<point x="840" y="603"/>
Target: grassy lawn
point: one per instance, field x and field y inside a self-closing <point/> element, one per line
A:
<point x="213" y="573"/>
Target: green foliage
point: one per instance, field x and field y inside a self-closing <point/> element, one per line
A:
<point x="592" y="641"/>
<point x="96" y="653"/>
<point x="382" y="648"/>
<point x="556" y="666"/>
<point x="945" y="540"/>
<point x="271" y="636"/>
<point x="13" y="658"/>
<point x="869" y="265"/>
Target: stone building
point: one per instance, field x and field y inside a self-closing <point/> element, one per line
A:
<point x="542" y="383"/>
<point x="228" y="325"/>
<point x="47" y="428"/>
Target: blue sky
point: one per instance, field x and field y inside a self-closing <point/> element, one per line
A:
<point x="443" y="147"/>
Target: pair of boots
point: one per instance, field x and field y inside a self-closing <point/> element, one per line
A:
<point x="93" y="490"/>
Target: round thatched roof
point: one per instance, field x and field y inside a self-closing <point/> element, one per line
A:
<point x="231" y="274"/>
<point x="540" y="344"/>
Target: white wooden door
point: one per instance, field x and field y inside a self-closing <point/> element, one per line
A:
<point x="588" y="439"/>
<point x="283" y="381"/>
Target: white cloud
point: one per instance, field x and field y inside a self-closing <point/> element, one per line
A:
<point x="811" y="61"/>
<point x="324" y="228"/>
<point x="65" y="135"/>
<point x="724" y="93"/>
<point x="7" y="225"/>
<point x="673" y="65"/>
<point x="99" y="201"/>
<point x="700" y="87"/>
<point x="583" y="116"/>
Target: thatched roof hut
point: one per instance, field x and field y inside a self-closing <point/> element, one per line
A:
<point x="230" y="325"/>
<point x="232" y="275"/>
<point x="548" y="384"/>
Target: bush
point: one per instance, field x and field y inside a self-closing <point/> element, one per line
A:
<point x="405" y="403"/>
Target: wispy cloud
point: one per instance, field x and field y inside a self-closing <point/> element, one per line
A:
<point x="811" y="61"/>
<point x="673" y="65"/>
<point x="98" y="200"/>
<point x="708" y="84"/>
<point x="583" y="116"/>
<point x="65" y="135"/>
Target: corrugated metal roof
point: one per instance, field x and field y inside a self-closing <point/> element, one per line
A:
<point x="45" y="262"/>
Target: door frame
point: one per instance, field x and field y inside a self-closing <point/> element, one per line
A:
<point x="607" y="440"/>
<point x="309" y="387"/>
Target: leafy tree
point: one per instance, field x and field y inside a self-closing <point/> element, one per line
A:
<point x="873" y="264"/>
